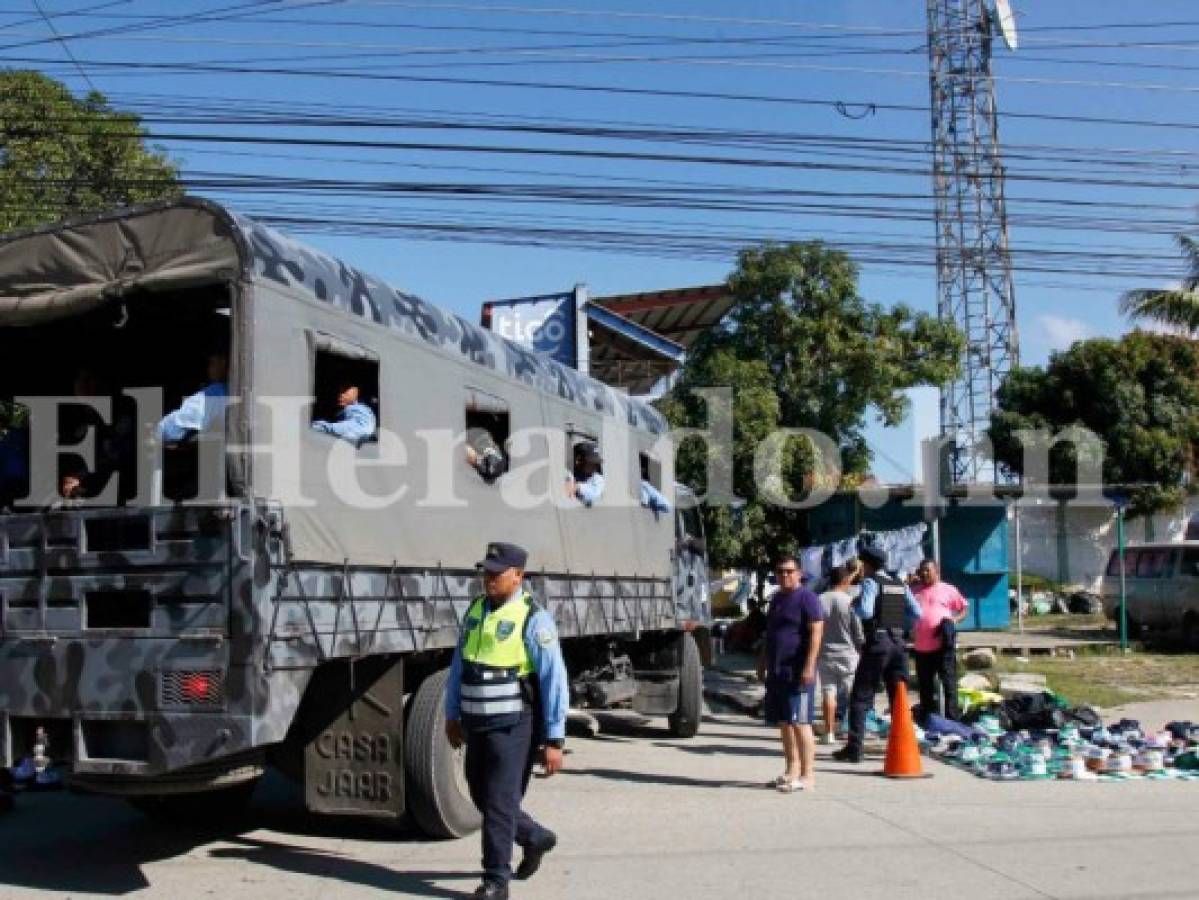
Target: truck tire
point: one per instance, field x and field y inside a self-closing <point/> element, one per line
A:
<point x="684" y="722"/>
<point x="438" y="799"/>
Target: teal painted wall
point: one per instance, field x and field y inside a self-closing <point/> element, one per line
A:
<point x="974" y="547"/>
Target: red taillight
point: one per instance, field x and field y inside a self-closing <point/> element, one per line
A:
<point x="196" y="687"/>
<point x="192" y="688"/>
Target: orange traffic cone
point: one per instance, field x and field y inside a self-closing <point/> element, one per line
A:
<point x="903" y="751"/>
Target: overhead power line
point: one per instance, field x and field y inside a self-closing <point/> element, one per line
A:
<point x="58" y="14"/>
<point x="575" y="58"/>
<point x="65" y="46"/>
<point x="608" y="186"/>
<point x="195" y="68"/>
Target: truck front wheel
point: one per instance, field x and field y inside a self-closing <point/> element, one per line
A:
<point x="438" y="799"/>
<point x="684" y="722"/>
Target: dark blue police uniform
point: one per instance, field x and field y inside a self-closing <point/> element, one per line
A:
<point x="508" y="687"/>
<point x="887" y="609"/>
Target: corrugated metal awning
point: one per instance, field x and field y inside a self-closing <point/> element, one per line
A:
<point x="681" y="315"/>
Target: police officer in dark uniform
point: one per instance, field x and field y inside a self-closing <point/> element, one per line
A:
<point x="887" y="609"/>
<point x="507" y="699"/>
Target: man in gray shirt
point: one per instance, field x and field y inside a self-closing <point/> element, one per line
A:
<point x="842" y="640"/>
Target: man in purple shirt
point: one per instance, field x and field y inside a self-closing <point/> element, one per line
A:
<point x="787" y="664"/>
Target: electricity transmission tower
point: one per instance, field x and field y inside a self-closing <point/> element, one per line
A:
<point x="974" y="269"/>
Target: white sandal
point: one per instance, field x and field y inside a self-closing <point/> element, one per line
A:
<point x="790" y="787"/>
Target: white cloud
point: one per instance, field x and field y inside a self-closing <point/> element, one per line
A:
<point x="1062" y="331"/>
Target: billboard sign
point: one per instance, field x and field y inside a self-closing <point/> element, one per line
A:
<point x="547" y="323"/>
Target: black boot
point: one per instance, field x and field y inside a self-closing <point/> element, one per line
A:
<point x="531" y="861"/>
<point x="849" y="754"/>
<point x="491" y="890"/>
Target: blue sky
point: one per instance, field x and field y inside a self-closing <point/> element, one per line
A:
<point x="843" y="84"/>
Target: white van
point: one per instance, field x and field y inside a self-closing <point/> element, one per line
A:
<point x="1161" y="586"/>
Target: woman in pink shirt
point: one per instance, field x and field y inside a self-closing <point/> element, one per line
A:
<point x="942" y="607"/>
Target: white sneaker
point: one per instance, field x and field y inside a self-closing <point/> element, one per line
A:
<point x="827" y="738"/>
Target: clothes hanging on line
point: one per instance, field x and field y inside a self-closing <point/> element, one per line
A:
<point x="904" y="548"/>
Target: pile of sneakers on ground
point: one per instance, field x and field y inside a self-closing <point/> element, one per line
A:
<point x="1117" y="752"/>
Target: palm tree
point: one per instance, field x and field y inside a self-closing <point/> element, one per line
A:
<point x="1175" y="307"/>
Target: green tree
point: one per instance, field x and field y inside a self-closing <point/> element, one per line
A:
<point x="1139" y="394"/>
<point x="61" y="156"/>
<point x="800" y="349"/>
<point x="1177" y="307"/>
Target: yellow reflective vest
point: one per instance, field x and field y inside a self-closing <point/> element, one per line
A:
<point x="496" y="639"/>
<point x="495" y="664"/>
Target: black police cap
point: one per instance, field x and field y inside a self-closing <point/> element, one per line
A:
<point x="588" y="452"/>
<point x="501" y="557"/>
<point x="873" y="554"/>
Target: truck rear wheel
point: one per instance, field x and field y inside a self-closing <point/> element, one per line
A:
<point x="438" y="799"/>
<point x="684" y="722"/>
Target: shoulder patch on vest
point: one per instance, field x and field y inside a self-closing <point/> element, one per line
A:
<point x="544" y="637"/>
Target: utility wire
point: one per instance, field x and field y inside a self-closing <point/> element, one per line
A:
<point x="33" y="20"/>
<point x="219" y="14"/>
<point x="192" y="68"/>
<point x="835" y="29"/>
<point x="343" y="113"/>
<point x="66" y="47"/>
<point x="367" y="50"/>
<point x="576" y="58"/>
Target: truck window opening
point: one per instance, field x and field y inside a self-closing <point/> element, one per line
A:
<point x="341" y="382"/>
<point x="651" y="470"/>
<point x="160" y="340"/>
<point x="488" y="424"/>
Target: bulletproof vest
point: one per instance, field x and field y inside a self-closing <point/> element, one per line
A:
<point x="890" y="604"/>
<point x="495" y="664"/>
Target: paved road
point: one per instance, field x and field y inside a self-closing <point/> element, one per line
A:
<point x="644" y="816"/>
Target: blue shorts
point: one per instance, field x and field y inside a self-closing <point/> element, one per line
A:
<point x="789" y="705"/>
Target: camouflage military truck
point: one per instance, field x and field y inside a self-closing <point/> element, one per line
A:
<point x="176" y="633"/>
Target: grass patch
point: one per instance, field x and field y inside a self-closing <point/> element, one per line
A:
<point x="1105" y="679"/>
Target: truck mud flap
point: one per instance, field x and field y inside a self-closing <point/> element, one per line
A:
<point x="354" y="760"/>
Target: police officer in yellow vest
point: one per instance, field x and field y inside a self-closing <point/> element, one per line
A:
<point x="507" y="699"/>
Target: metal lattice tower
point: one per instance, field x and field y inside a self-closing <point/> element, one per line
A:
<point x="974" y="269"/>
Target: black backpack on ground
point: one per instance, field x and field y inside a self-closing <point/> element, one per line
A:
<point x="1031" y="711"/>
